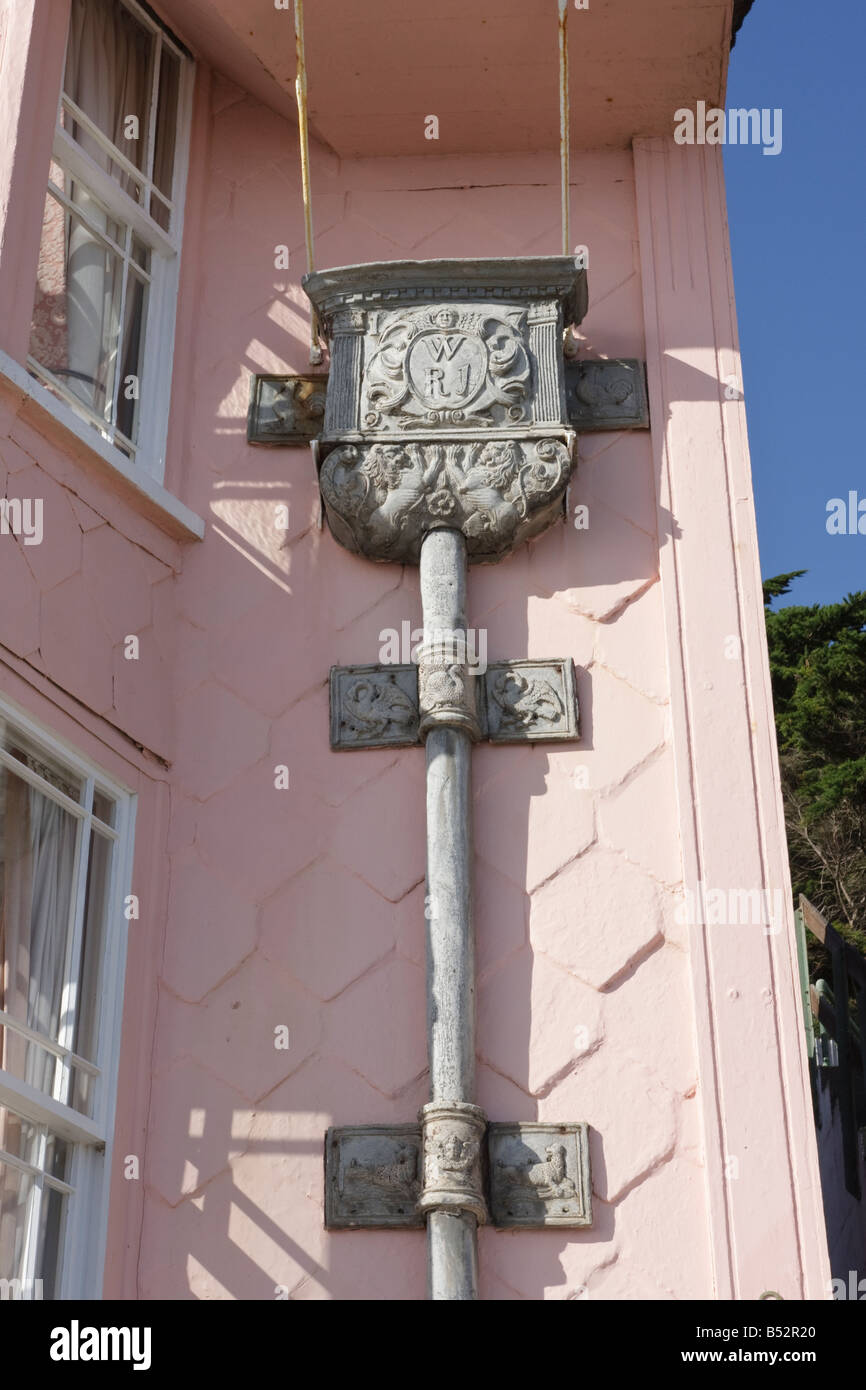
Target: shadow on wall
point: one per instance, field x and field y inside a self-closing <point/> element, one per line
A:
<point x="313" y="910"/>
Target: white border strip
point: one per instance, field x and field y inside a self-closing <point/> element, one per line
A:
<point x="142" y="483"/>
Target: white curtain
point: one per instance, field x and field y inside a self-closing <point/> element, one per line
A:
<point x="37" y="859"/>
<point x="108" y="76"/>
<point x="38" y="852"/>
<point x="52" y="849"/>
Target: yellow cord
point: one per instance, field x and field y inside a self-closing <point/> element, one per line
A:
<point x="316" y="353"/>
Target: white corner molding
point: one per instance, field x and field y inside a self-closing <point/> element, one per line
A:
<point x="154" y="500"/>
<point x="767" y="1227"/>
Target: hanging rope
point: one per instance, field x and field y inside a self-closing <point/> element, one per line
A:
<point x="564" y="126"/>
<point x="316" y="353"/>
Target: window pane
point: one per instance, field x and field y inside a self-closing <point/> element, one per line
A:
<point x="134" y="317"/>
<point x="76" y="332"/>
<point x="51" y="1219"/>
<point x="37" y="862"/>
<point x="166" y="122"/>
<point x="109" y="61"/>
<point x="86" y="1039"/>
<point x="18" y="1136"/>
<point x="31" y="1214"/>
<point x="94" y="283"/>
<point x="49" y="342"/>
<point x="103" y="807"/>
<point x="160" y="211"/>
<point x="17" y="1194"/>
<point x="41" y="762"/>
<point x="141" y="254"/>
<point x="57" y="1156"/>
<point x="55" y="903"/>
<point x="77" y="303"/>
<point x="133" y="187"/>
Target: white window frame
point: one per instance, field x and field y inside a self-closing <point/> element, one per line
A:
<point x="159" y="330"/>
<point x="84" y="1235"/>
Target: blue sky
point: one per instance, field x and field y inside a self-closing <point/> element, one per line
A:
<point x="798" y="238"/>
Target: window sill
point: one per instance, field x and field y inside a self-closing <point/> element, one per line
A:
<point x="139" y="486"/>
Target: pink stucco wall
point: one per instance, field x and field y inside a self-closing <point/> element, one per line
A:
<point x="304" y="907"/>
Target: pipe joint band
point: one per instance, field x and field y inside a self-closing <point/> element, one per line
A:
<point x="446" y="686"/>
<point x="452" y="1140"/>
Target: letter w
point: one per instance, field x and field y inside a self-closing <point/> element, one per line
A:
<point x="446" y="347"/>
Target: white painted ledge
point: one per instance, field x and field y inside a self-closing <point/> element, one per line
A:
<point x="140" y="487"/>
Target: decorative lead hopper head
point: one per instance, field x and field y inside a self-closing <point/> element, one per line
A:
<point x="446" y="401"/>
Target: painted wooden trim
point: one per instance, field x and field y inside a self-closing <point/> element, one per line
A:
<point x="156" y="503"/>
<point x="766" y="1226"/>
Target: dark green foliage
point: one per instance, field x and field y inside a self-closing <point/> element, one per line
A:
<point x="818" y="668"/>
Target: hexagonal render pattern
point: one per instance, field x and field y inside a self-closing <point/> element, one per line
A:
<point x="337" y="907"/>
<point x="303" y="907"/>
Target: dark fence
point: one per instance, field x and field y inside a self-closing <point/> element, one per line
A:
<point x="835" y="1016"/>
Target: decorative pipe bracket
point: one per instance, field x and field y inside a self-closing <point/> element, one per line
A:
<point x="528" y="1174"/>
<point x="608" y="395"/>
<point x="539" y="1174"/>
<point x="447" y="686"/>
<point x="514" y="702"/>
<point x="372" y="1177"/>
<point x="452" y="1139"/>
<point x="286" y="409"/>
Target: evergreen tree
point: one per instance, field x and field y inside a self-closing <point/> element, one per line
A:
<point x="818" y="669"/>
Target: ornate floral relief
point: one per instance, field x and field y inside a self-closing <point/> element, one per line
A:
<point x="524" y="702"/>
<point x="530" y="700"/>
<point x="392" y="705"/>
<point x="349" y="321"/>
<point x="447" y="365"/>
<point x="382" y="499"/>
<point x="373" y="707"/>
<point x="446" y="403"/>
